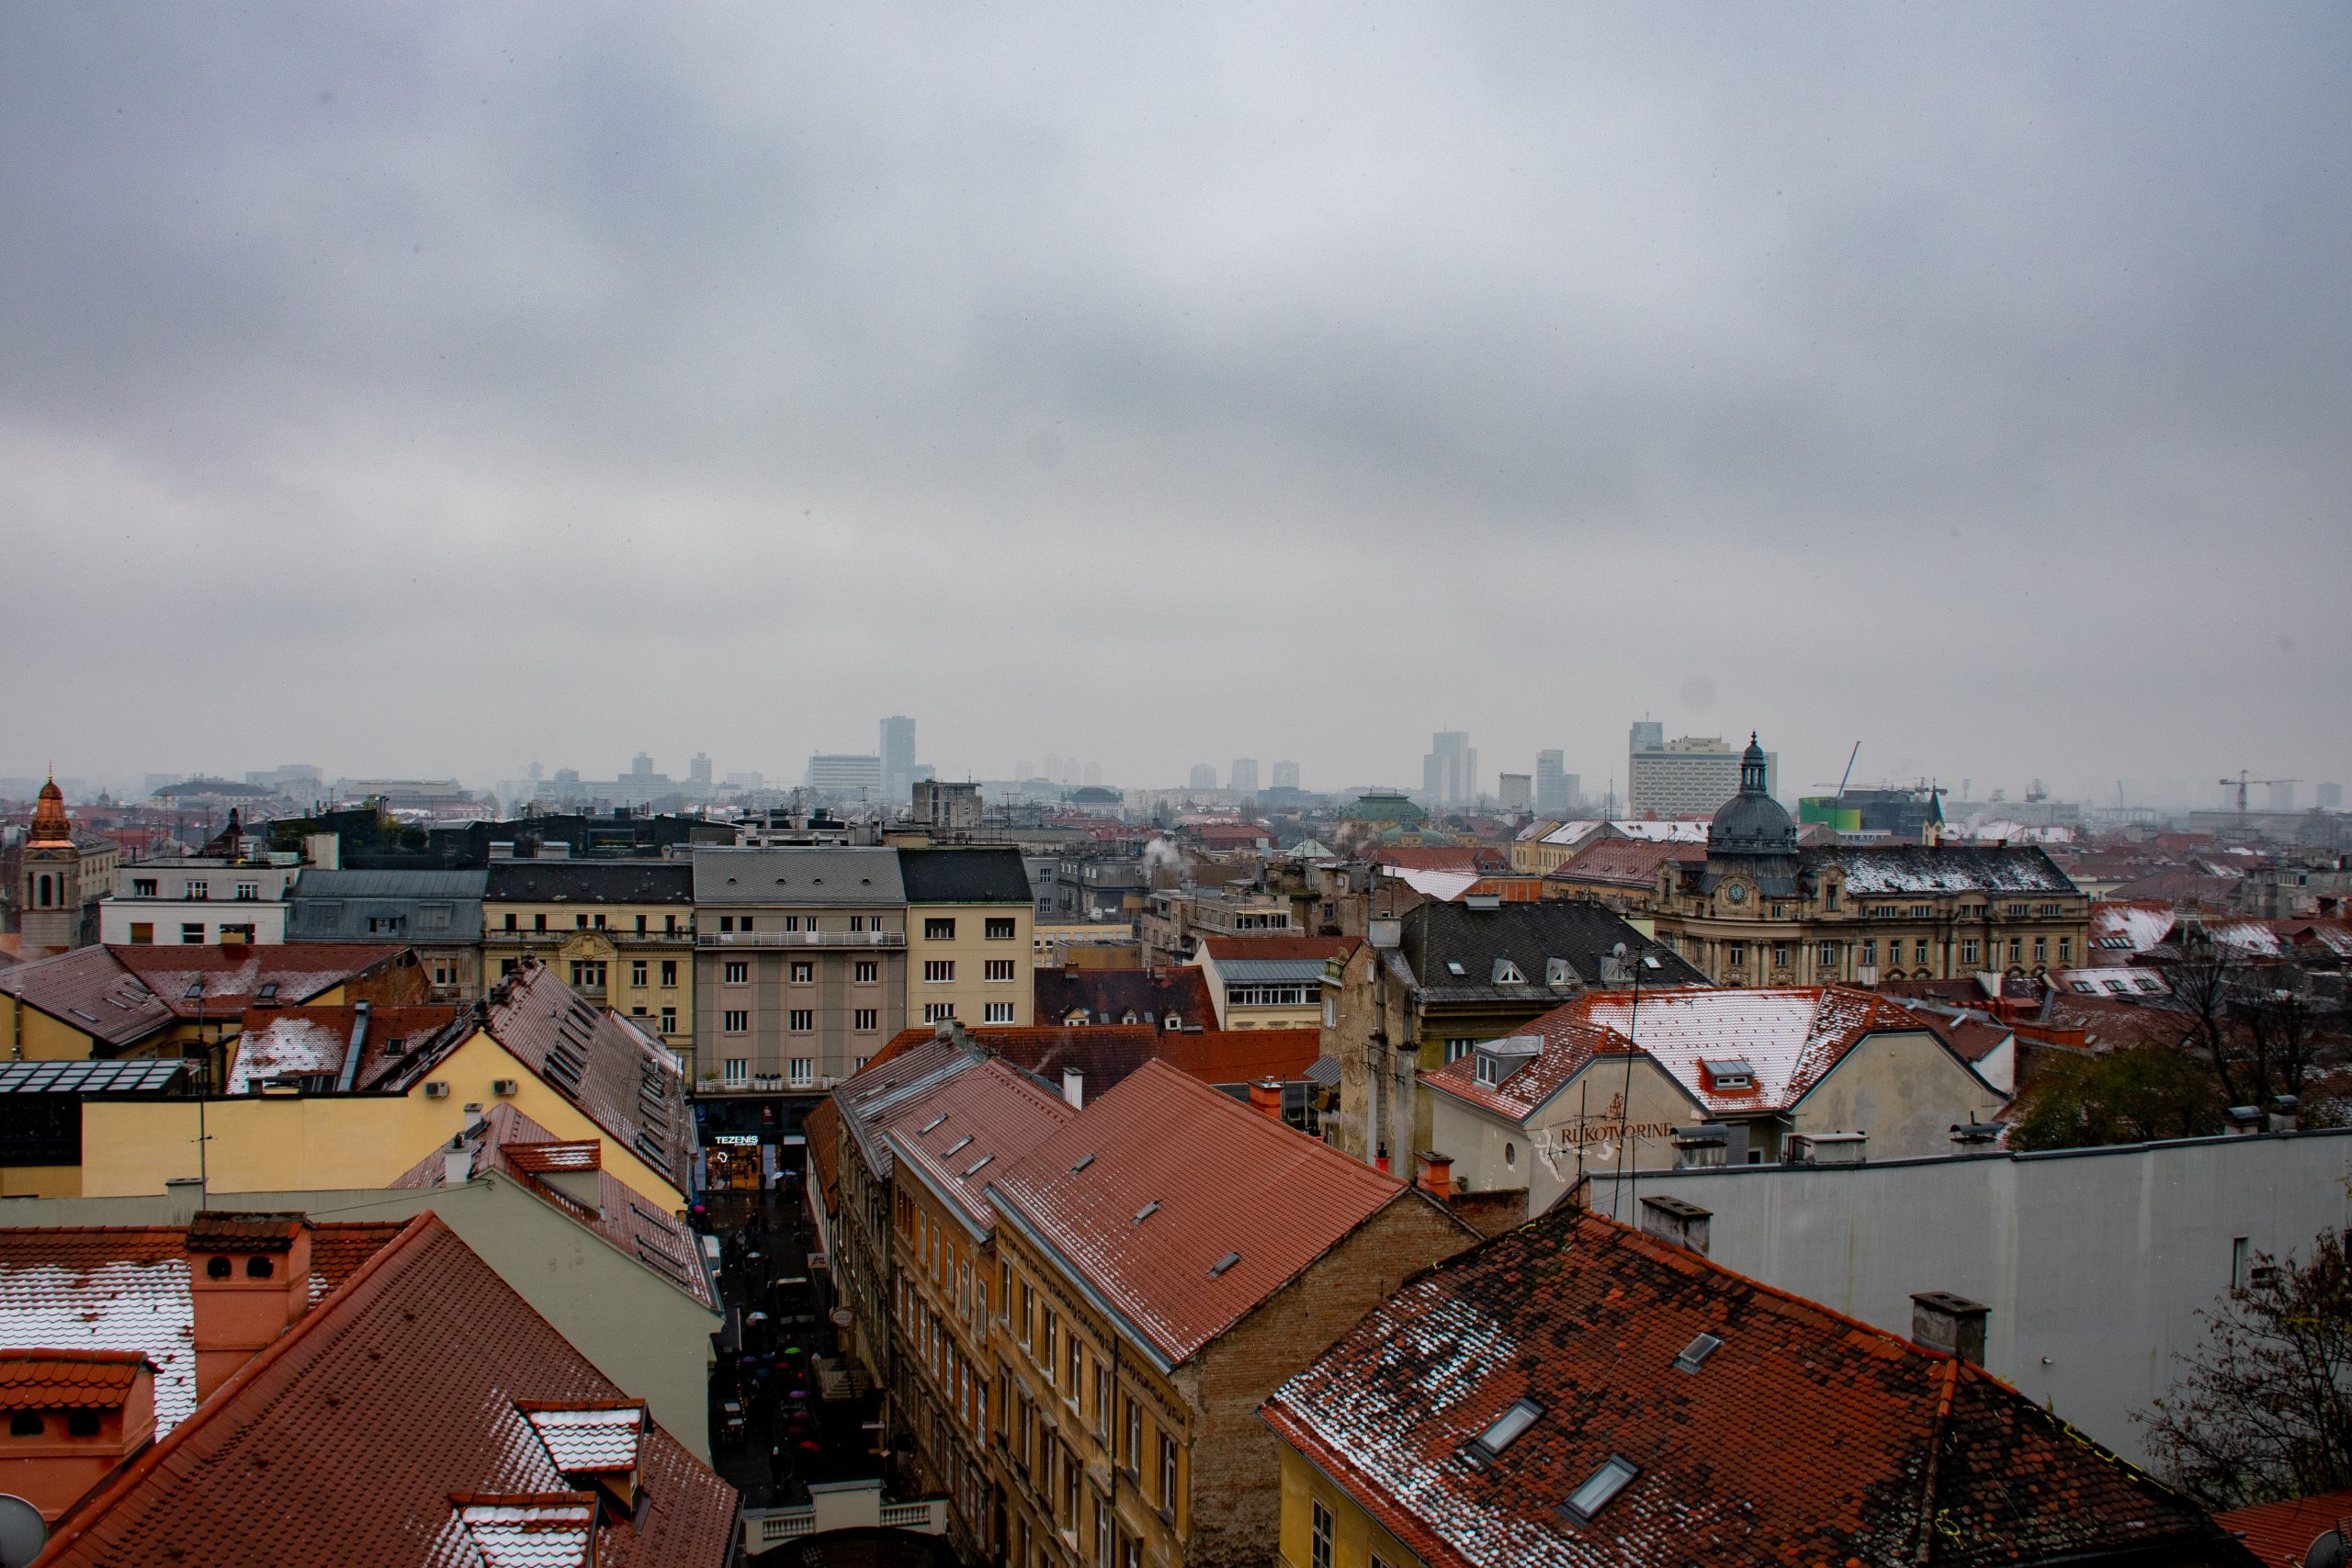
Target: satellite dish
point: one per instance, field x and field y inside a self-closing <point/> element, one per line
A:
<point x="2327" y="1551"/>
<point x="23" y="1532"/>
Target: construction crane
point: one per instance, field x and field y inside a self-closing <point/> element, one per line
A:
<point x="2240" y="782"/>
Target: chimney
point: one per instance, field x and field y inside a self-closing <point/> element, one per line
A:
<point x="2283" y="1113"/>
<point x="2243" y="1119"/>
<point x="1437" y="1173"/>
<point x="1951" y="1324"/>
<point x="249" y="1281"/>
<point x="1266" y="1097"/>
<point x="185" y="1194"/>
<point x="459" y="1167"/>
<point x="1074" y="1088"/>
<point x="1685" y="1225"/>
<point x="473" y="1117"/>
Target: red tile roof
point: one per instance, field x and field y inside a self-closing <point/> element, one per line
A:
<point x="362" y="1434"/>
<point x="633" y="1223"/>
<point x="88" y="990"/>
<point x="1802" y="1437"/>
<point x="973" y="1126"/>
<point x="1627" y="862"/>
<point x="1241" y="1055"/>
<point x="87" y="1288"/>
<point x="630" y="1085"/>
<point x="1318" y="948"/>
<point x="68" y="1380"/>
<point x="2278" y="1534"/>
<point x="1179" y="1177"/>
<point x="234" y="973"/>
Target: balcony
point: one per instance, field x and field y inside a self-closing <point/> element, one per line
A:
<point x="619" y="936"/>
<point x="801" y="938"/>
<point x="837" y="1506"/>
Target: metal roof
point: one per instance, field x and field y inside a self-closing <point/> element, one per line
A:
<point x="84" y="1077"/>
<point x="823" y="876"/>
<point x="1240" y="971"/>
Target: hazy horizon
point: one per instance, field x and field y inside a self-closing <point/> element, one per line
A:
<point x="423" y="393"/>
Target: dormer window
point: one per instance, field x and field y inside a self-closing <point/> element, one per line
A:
<point x="1506" y="973"/>
<point x="1505" y="1430"/>
<point x="1728" y="1074"/>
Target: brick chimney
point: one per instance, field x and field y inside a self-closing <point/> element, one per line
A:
<point x="1266" y="1097"/>
<point x="1437" y="1173"/>
<point x="249" y="1278"/>
<point x="1951" y="1324"/>
<point x="1678" y="1220"/>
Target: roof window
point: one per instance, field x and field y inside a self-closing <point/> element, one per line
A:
<point x="930" y="1126"/>
<point x="1729" y="1072"/>
<point x="956" y="1145"/>
<point x="1503" y="1431"/>
<point x="195" y="989"/>
<point x="1083" y="1161"/>
<point x="1453" y="967"/>
<point x="268" y="991"/>
<point x="1222" y="1264"/>
<point x="1694" y="1355"/>
<point x="1601" y="1488"/>
<point x="1507" y="973"/>
<point x="973" y="1169"/>
<point x="1146" y="1211"/>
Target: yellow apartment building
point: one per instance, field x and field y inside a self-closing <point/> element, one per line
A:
<point x="970" y="953"/>
<point x="620" y="933"/>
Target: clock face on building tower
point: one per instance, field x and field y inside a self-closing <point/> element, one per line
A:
<point x="1736" y="893"/>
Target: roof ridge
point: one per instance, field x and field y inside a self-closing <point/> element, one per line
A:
<point x="90" y="1510"/>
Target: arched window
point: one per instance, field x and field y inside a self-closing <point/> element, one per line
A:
<point x="259" y="1268"/>
<point x="216" y="1267"/>
<point x="44" y="890"/>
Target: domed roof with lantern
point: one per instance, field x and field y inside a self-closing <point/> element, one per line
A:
<point x="49" y="825"/>
<point x="1752" y="822"/>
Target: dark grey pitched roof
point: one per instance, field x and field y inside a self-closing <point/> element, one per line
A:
<point x="1949" y="868"/>
<point x="436" y="907"/>
<point x="964" y="877"/>
<point x="1440" y="935"/>
<point x="823" y="874"/>
<point x="592" y="882"/>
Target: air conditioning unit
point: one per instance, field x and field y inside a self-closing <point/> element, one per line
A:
<point x="434" y="1089"/>
<point x="503" y="1088"/>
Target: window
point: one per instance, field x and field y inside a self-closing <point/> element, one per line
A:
<point x="143" y="932"/>
<point x="1456" y="1049"/>
<point x="727" y="922"/>
<point x="804" y="1070"/>
<point x="668" y="1020"/>
<point x="142" y="887"/>
<point x="866" y="1020"/>
<point x="80" y="1423"/>
<point x="669" y="972"/>
<point x="1869" y="954"/>
<point x="1829" y="897"/>
<point x="866" y="972"/>
<point x="938" y="971"/>
<point x="1920" y="911"/>
<point x="640" y="925"/>
<point x="1920" y="947"/>
<point x="938" y="931"/>
<point x="996" y="1012"/>
<point x="735" y="1021"/>
<point x="1167" y="1474"/>
<point x="539" y="922"/>
<point x="997" y="969"/>
<point x="2016" y="950"/>
<point x="804" y="973"/>
<point x="938" y="1012"/>
<point x="2017" y="911"/>
<point x="196" y="890"/>
<point x="999" y="929"/>
<point x="1320" y="1545"/>
<point x="192" y="934"/>
<point x="588" y="973"/>
<point x="2241" y="1263"/>
<point x="2065" y="949"/>
<point x="1503" y="1431"/>
<point x="639" y="971"/>
<point x="1968" y="951"/>
<point x="24" y="1423"/>
<point x="248" y="892"/>
<point x="580" y="922"/>
<point x="1134" y="1436"/>
<point x="857" y="923"/>
<point x="1737" y="954"/>
<point x="1598" y="1491"/>
<point x="737" y="1070"/>
<point x="801" y="1021"/>
<point x="2040" y="948"/>
<point x="669" y="925"/>
<point x="735" y="972"/>
<point x="1050" y="1336"/>
<point x="1101" y="1399"/>
<point x="1780" y="955"/>
<point x="745" y="924"/>
<point x="510" y="920"/>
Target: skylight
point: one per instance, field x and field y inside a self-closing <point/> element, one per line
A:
<point x="1505" y="1430"/>
<point x="955" y="1146"/>
<point x="1083" y="1161"/>
<point x="1222" y="1264"/>
<point x="1453" y="967"/>
<point x="973" y="1169"/>
<point x="195" y="989"/>
<point x="1146" y="1211"/>
<point x="1614" y="1476"/>
<point x="1694" y="1355"/>
<point x="930" y="1125"/>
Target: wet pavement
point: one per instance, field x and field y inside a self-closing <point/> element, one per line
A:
<point x="774" y="1429"/>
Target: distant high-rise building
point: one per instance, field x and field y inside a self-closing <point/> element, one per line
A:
<point x="1555" y="787"/>
<point x="1204" y="776"/>
<point x="1649" y="735"/>
<point x="698" y="771"/>
<point x="1285" y="775"/>
<point x="2282" y="795"/>
<point x="1244" y="776"/>
<point x="1514" y="791"/>
<point x="1688" y="777"/>
<point x="1053" y="774"/>
<point x="897" y="753"/>
<point x="641" y="766"/>
<point x="1449" y="772"/>
<point x="2331" y="797"/>
<point x="846" y="774"/>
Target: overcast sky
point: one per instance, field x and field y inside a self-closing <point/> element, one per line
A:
<point x="432" y="389"/>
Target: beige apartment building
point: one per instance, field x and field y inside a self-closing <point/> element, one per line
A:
<point x="800" y="963"/>
<point x="970" y="922"/>
<point x="620" y="933"/>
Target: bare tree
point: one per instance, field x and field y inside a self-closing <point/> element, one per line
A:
<point x="2265" y="1410"/>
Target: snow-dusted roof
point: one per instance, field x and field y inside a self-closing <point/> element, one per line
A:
<point x="1442" y="885"/>
<point x="1790" y="1037"/>
<point x="1953" y="868"/>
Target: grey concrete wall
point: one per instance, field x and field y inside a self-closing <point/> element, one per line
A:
<point x="2095" y="1262"/>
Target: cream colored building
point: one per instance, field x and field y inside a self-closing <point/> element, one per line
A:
<point x="620" y="933"/>
<point x="970" y="943"/>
